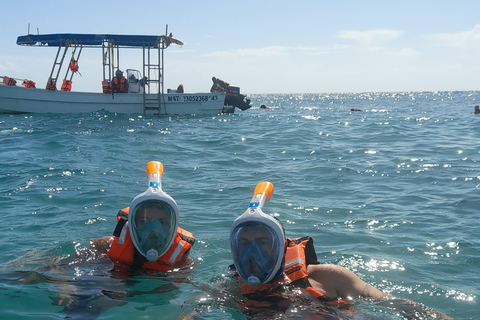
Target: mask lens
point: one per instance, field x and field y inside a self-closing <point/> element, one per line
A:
<point x="153" y="224"/>
<point x="255" y="251"/>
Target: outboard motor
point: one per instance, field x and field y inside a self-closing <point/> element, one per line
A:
<point x="234" y="98"/>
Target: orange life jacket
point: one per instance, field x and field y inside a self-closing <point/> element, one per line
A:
<point x="67" y="85"/>
<point x="106" y="86"/>
<point x="51" y="85"/>
<point x="300" y="253"/>
<point x="118" y="87"/>
<point x="29" y="84"/>
<point x="73" y="65"/>
<point x="9" y="81"/>
<point x="123" y="249"/>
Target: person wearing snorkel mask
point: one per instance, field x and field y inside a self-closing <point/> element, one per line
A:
<point x="266" y="263"/>
<point x="147" y="235"/>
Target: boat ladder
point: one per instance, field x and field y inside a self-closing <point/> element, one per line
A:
<point x="153" y="71"/>
<point x="57" y="64"/>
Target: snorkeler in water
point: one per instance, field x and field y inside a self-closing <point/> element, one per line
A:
<point x="147" y="235"/>
<point x="147" y="239"/>
<point x="265" y="262"/>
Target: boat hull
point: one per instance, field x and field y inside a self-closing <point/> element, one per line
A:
<point x="15" y="99"/>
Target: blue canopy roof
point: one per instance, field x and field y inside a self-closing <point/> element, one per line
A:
<point x="62" y="39"/>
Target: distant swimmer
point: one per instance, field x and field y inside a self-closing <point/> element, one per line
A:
<point x="264" y="107"/>
<point x="355" y="109"/>
<point x="477" y="110"/>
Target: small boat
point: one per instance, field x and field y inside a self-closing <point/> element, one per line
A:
<point x="143" y="94"/>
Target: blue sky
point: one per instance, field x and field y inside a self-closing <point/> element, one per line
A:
<point x="266" y="46"/>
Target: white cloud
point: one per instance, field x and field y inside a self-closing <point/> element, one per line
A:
<point x="310" y="50"/>
<point x="370" y="36"/>
<point x="265" y="52"/>
<point x="407" y="52"/>
<point x="175" y="51"/>
<point x="459" y="39"/>
<point x="340" y="46"/>
<point x="7" y="65"/>
<point x="376" y="48"/>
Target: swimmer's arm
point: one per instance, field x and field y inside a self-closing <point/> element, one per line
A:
<point x="352" y="286"/>
<point x="101" y="245"/>
<point x="339" y="282"/>
<point x="349" y="285"/>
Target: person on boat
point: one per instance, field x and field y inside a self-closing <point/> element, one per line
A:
<point x="477" y="110"/>
<point x="265" y="262"/>
<point x="180" y="88"/>
<point x="119" y="83"/>
<point x="147" y="235"/>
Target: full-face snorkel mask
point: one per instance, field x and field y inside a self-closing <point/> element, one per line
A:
<point x="257" y="241"/>
<point x="153" y="216"/>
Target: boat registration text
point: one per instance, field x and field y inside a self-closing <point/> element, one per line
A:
<point x="192" y="98"/>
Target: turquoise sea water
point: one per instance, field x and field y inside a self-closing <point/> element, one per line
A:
<point x="392" y="193"/>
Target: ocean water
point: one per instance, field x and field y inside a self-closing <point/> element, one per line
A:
<point x="391" y="192"/>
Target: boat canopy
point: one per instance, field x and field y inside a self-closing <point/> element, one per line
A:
<point x="153" y="64"/>
<point x="94" y="40"/>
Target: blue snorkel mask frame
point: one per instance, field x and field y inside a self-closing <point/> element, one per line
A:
<point x="154" y="195"/>
<point x="258" y="270"/>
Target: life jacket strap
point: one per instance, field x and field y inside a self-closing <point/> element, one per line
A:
<point x="120" y="224"/>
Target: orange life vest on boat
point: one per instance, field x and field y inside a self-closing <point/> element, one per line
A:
<point x="73" y="65"/>
<point x="300" y="253"/>
<point x="9" y="81"/>
<point x="123" y="249"/>
<point x="67" y="85"/>
<point x="29" y="84"/>
<point x="118" y="87"/>
<point x="51" y="85"/>
<point x="106" y="86"/>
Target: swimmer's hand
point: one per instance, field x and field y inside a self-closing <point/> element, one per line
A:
<point x="101" y="245"/>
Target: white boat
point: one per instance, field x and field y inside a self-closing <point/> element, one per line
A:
<point x="145" y="94"/>
<point x="24" y="100"/>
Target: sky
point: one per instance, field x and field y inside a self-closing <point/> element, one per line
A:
<point x="270" y="46"/>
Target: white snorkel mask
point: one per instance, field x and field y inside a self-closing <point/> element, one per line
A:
<point x="153" y="216"/>
<point x="257" y="241"/>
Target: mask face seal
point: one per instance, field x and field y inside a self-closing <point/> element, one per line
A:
<point x="257" y="240"/>
<point x="152" y="227"/>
